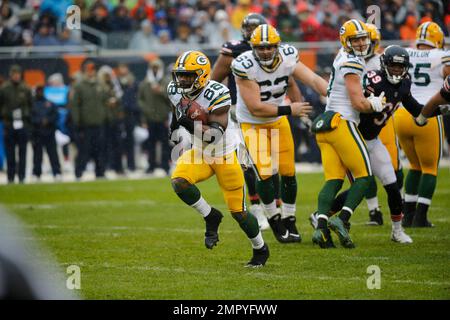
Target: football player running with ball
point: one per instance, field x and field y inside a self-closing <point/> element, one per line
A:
<point x="341" y="144"/>
<point x="262" y="77"/>
<point x="213" y="152"/>
<point x="430" y="64"/>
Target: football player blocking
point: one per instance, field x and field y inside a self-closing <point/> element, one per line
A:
<point x="387" y="136"/>
<point x="342" y="146"/>
<point x="214" y="155"/>
<point x="222" y="71"/>
<point x="392" y="79"/>
<point x="423" y="145"/>
<point x="262" y="77"/>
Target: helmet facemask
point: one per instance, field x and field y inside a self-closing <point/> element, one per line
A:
<point x="367" y="42"/>
<point x="186" y="81"/>
<point x="372" y="49"/>
<point x="395" y="76"/>
<point x="396" y="69"/>
<point x="266" y="59"/>
<point x="247" y="31"/>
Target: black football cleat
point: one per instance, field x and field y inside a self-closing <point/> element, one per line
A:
<point x="212" y="220"/>
<point x="407" y="219"/>
<point x="259" y="258"/>
<point x="337" y="225"/>
<point x="289" y="224"/>
<point x="375" y="217"/>
<point x="322" y="237"/>
<point x="279" y="230"/>
<point x="421" y="221"/>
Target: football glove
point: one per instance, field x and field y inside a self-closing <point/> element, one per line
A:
<point x="420" y="120"/>
<point x="445" y="109"/>
<point x="187" y="123"/>
<point x="377" y="103"/>
<point x="306" y="121"/>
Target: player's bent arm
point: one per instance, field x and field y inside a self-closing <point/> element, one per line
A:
<point x="217" y="124"/>
<point x="221" y="68"/>
<point x="412" y="105"/>
<point x="446" y="71"/>
<point x="432" y="105"/>
<point x="293" y="91"/>
<point x="219" y="116"/>
<point x="250" y="93"/>
<point x="308" y="77"/>
<point x="439" y="100"/>
<point x="355" y="93"/>
<point x="249" y="90"/>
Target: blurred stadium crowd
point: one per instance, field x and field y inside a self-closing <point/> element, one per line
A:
<point x="159" y="22"/>
<point x="106" y="114"/>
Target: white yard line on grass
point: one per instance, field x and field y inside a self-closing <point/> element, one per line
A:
<point x="112" y="228"/>
<point x="94" y="203"/>
<point x="266" y="275"/>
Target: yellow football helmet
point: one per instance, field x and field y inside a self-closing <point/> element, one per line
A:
<point x="265" y="35"/>
<point x="375" y="38"/>
<point x="353" y="29"/>
<point x="431" y="34"/>
<point x="194" y="64"/>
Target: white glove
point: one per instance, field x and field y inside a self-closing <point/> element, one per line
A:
<point x="445" y="109"/>
<point x="377" y="103"/>
<point x="421" y="120"/>
<point x="307" y="122"/>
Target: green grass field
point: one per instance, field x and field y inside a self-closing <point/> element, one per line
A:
<point x="137" y="240"/>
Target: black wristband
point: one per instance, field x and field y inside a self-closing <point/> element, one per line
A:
<point x="187" y="123"/>
<point x="218" y="128"/>
<point x="284" y="110"/>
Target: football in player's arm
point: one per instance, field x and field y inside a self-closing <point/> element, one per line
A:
<point x="192" y="88"/>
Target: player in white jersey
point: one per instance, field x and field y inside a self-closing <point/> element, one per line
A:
<point x="213" y="152"/>
<point x="342" y="147"/>
<point x="372" y="61"/>
<point x="262" y="77"/>
<point x="430" y="64"/>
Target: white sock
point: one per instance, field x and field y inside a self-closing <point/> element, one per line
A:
<point x="425" y="201"/>
<point x="258" y="241"/>
<point x="270" y="209"/>
<point x="411" y="197"/>
<point x="348" y="210"/>
<point x="202" y="207"/>
<point x="372" y="203"/>
<point x="288" y="209"/>
<point x="396" y="225"/>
